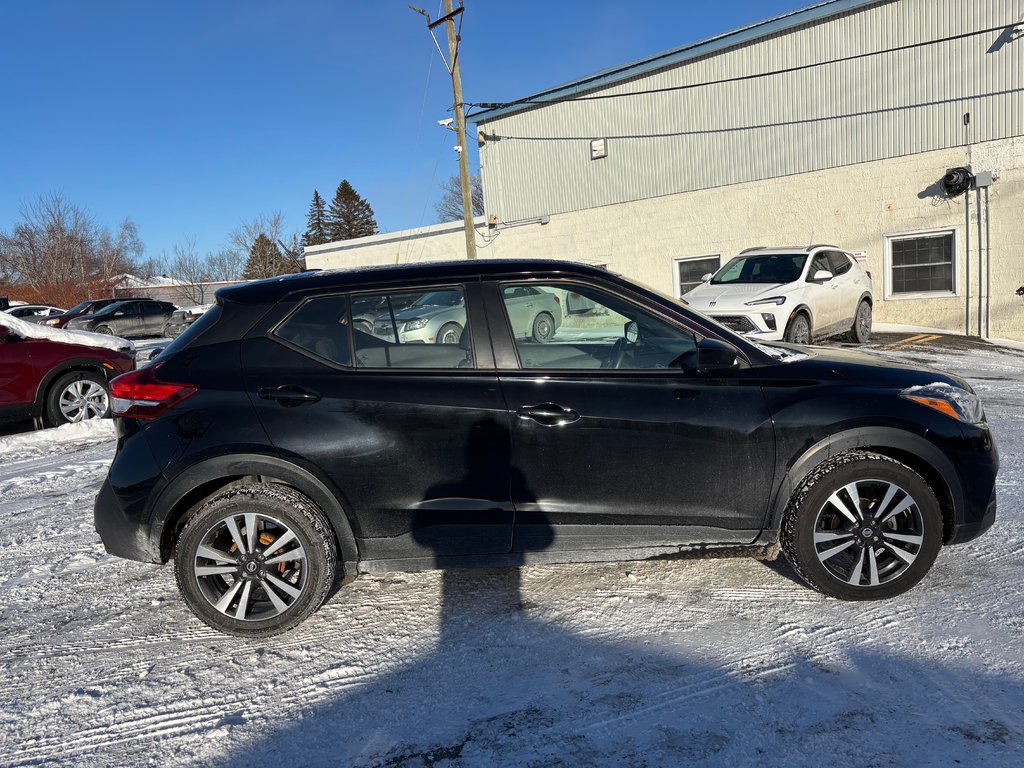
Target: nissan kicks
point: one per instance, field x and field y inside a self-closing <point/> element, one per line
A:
<point x="274" y="449"/>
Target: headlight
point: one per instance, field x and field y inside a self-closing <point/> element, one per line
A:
<point x="51" y="322"/>
<point x="777" y="300"/>
<point x="948" y="400"/>
<point x="415" y="325"/>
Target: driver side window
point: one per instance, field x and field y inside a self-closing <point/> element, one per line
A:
<point x="572" y="326"/>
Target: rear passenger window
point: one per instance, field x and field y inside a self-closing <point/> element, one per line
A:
<point x="840" y="262"/>
<point x="412" y="329"/>
<point x="321" y="326"/>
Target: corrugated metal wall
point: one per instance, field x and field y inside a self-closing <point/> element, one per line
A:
<point x="538" y="161"/>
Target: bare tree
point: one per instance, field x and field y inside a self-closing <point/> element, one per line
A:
<point x="449" y="207"/>
<point x="225" y="265"/>
<point x="192" y="270"/>
<point x="58" y="253"/>
<point x="253" y="247"/>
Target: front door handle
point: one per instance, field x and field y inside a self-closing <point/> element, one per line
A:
<point x="289" y="395"/>
<point x="548" y="414"/>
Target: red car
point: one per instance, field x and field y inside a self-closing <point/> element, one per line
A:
<point x="56" y="374"/>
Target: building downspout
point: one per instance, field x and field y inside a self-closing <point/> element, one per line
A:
<point x="967" y="262"/>
<point x="981" y="292"/>
<point x="988" y="270"/>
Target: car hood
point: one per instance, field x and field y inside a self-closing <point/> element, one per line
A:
<point x="864" y="369"/>
<point x="82" y="318"/>
<point x="708" y="295"/>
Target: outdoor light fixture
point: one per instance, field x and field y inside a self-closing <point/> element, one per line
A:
<point x="598" y="149"/>
<point x="957" y="181"/>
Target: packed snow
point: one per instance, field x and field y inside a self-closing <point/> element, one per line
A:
<point x="726" y="662"/>
<point x="65" y="336"/>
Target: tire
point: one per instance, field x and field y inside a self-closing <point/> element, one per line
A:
<point x="104" y="329"/>
<point x="450" y="333"/>
<point x="167" y="332"/>
<point x="799" y="330"/>
<point x="860" y="331"/>
<point x="284" y="589"/>
<point x="363" y="327"/>
<point x="543" y="328"/>
<point x="78" y="396"/>
<point x="862" y="560"/>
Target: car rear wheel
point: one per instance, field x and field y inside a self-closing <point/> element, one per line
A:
<point x="799" y="330"/>
<point x="256" y="560"/>
<point x="862" y="526"/>
<point x="860" y="332"/>
<point x="543" y="327"/>
<point x="77" y="396"/>
<point x="450" y="333"/>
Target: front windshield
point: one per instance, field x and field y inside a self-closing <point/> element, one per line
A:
<point x="773" y="268"/>
<point x="79" y="307"/>
<point x="439" y="299"/>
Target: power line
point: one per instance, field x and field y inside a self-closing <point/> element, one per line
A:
<point x="738" y="78"/>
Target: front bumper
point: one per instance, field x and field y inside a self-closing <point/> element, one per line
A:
<point x="758" y="323"/>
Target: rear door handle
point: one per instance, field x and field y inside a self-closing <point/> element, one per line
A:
<point x="548" y="414"/>
<point x="289" y="395"/>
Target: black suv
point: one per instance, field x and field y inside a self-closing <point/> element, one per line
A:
<point x="274" y="448"/>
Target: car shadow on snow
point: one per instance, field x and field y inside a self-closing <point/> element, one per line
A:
<point x="501" y="687"/>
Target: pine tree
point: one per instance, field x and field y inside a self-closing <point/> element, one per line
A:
<point x="349" y="215"/>
<point x="316" y="222"/>
<point x="265" y="260"/>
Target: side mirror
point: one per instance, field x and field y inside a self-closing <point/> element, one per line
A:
<point x="707" y="277"/>
<point x="631" y="331"/>
<point x="821" y="276"/>
<point x="6" y="334"/>
<point x="715" y="355"/>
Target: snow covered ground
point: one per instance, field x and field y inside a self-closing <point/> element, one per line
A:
<point x="693" y="662"/>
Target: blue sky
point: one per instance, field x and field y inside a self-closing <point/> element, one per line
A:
<point x="190" y="116"/>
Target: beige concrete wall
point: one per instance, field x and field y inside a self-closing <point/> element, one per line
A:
<point x="854" y="207"/>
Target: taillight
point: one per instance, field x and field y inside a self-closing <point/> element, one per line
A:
<point x="142" y="395"/>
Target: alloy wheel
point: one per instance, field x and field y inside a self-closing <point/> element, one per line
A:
<point x="868" y="533"/>
<point x="250" y="567"/>
<point x="83" y="399"/>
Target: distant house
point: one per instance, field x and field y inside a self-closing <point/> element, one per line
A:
<point x="165" y="288"/>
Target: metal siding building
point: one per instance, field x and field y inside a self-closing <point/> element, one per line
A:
<point x="536" y="157"/>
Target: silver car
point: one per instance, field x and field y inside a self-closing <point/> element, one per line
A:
<point x="439" y="316"/>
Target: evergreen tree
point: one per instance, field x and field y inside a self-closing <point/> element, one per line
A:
<point x="316" y="222"/>
<point x="349" y="215"/>
<point x="265" y="260"/>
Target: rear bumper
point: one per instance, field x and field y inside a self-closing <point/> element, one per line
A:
<point x="123" y="534"/>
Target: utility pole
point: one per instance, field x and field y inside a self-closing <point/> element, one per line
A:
<point x="460" y="114"/>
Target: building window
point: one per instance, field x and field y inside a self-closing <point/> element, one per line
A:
<point x="921" y="263"/>
<point x="689" y="271"/>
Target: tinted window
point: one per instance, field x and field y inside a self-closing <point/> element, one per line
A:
<point x="595" y="337"/>
<point x="768" y="268"/>
<point x="80" y="307"/>
<point x="839" y="262"/>
<point x="319" y="326"/>
<point x="412" y="329"/>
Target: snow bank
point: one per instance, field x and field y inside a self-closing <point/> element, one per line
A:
<point x="50" y="440"/>
<point x="85" y="338"/>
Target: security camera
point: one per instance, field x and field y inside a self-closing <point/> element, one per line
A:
<point x="457" y="148"/>
<point x="446" y="123"/>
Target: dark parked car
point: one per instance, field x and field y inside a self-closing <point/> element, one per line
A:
<point x="274" y="448"/>
<point x="55" y="378"/>
<point x="89" y="307"/>
<point x="128" y="319"/>
<point x="181" y="319"/>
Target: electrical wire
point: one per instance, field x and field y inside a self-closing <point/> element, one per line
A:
<point x="488" y="106"/>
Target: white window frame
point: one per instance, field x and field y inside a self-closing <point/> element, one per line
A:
<point x="922" y="233"/>
<point x="676" y="284"/>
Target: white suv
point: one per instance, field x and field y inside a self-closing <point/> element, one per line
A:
<point x="794" y="294"/>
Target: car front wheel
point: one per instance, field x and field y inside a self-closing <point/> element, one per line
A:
<point x="256" y="560"/>
<point x="799" y="330"/>
<point x="543" y="327"/>
<point x="77" y="396"/>
<point x="862" y="526"/>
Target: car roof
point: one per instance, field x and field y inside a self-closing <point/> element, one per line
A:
<point x="272" y="289"/>
<point x="770" y="249"/>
